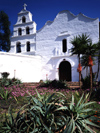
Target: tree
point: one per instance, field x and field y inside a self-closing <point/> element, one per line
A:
<point x="4" y="32"/>
<point x="79" y="45"/>
<point x="90" y="49"/>
<point x="98" y="56"/>
<point x="90" y="53"/>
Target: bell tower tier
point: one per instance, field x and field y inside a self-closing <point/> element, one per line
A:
<point x="24" y="33"/>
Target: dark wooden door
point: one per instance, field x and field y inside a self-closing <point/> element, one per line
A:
<point x="65" y="71"/>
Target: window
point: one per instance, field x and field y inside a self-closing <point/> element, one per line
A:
<point x="19" y="31"/>
<point x="64" y="45"/>
<point x="28" y="46"/>
<point x="18" y="46"/>
<point x="23" y="19"/>
<point x="27" y="30"/>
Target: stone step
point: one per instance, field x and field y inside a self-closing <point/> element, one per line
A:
<point x="70" y="84"/>
<point x="31" y="84"/>
<point x="73" y="83"/>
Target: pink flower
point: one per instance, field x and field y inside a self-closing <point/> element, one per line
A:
<point x="22" y="94"/>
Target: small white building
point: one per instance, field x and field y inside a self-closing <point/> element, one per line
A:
<point x="45" y="54"/>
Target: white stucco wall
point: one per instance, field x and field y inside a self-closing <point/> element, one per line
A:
<point x="24" y="37"/>
<point x="49" y="41"/>
<point x="23" y="40"/>
<point x="27" y="15"/>
<point x="46" y="54"/>
<point x="28" y="68"/>
<point x="23" y="26"/>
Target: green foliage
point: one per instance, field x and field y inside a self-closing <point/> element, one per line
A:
<point x="54" y="84"/>
<point x="86" y="81"/>
<point x="78" y="116"/>
<point x="11" y="123"/>
<point x="5" y="94"/>
<point x="96" y="94"/>
<point x="16" y="81"/>
<point x="5" y="74"/>
<point x="79" y="44"/>
<point x="98" y="58"/>
<point x="4" y="82"/>
<point x="38" y="115"/>
<point x="51" y="114"/>
<point x="4" y="32"/>
<point x="90" y="49"/>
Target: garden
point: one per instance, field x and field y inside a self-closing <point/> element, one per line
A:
<point x="51" y="106"/>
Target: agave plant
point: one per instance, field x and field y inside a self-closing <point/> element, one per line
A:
<point x="38" y="116"/>
<point x="51" y="114"/>
<point x="5" y="94"/>
<point x="14" y="123"/>
<point x="42" y="116"/>
<point x="78" y="116"/>
<point x="10" y="123"/>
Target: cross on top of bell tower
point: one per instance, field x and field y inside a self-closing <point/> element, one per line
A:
<point x="24" y="6"/>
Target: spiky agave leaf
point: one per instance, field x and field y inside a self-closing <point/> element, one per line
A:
<point x="78" y="115"/>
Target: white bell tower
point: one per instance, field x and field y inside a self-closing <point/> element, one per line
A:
<point x="24" y="33"/>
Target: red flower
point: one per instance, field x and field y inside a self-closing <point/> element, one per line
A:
<point x="79" y="69"/>
<point x="90" y="61"/>
<point x="95" y="115"/>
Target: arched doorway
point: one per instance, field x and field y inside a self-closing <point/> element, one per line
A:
<point x="65" y="71"/>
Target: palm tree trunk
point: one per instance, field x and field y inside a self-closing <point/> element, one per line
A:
<point x="98" y="66"/>
<point x="86" y="71"/>
<point x="91" y="89"/>
<point x="79" y="73"/>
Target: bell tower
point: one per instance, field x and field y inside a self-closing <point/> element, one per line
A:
<point x="24" y="33"/>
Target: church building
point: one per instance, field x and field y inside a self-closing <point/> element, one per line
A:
<point x="45" y="54"/>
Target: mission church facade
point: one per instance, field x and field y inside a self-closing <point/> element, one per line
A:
<point x="45" y="54"/>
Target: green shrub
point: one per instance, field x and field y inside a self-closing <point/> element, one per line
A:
<point x="79" y="116"/>
<point x="5" y="94"/>
<point x="96" y="94"/>
<point x="5" y="74"/>
<point x="38" y="115"/>
<point x="16" y="81"/>
<point x="50" y="114"/>
<point x="11" y="123"/>
<point x="54" y="84"/>
<point x="86" y="81"/>
<point x="45" y="83"/>
<point x="4" y="82"/>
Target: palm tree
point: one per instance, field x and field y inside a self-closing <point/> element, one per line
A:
<point x="89" y="50"/>
<point x="84" y="63"/>
<point x="98" y="56"/>
<point x="79" y="45"/>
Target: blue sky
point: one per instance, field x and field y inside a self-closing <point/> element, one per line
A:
<point x="44" y="10"/>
